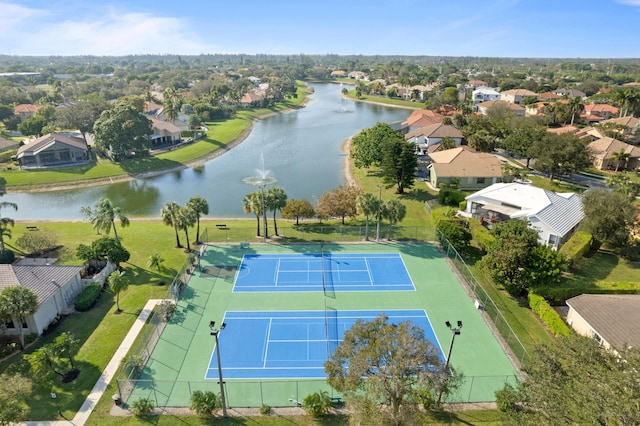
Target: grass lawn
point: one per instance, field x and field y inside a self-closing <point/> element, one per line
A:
<point x="383" y="100"/>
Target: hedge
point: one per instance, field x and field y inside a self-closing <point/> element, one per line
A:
<point x="557" y="295"/>
<point x="88" y="297"/>
<point x="548" y="315"/>
<point x="451" y="197"/>
<point x="457" y="235"/>
<point x="481" y="235"/>
<point x="576" y="246"/>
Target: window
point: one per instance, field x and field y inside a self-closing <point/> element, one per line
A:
<point x="480" y="180"/>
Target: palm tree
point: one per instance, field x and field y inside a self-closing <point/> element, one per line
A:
<point x="276" y="199"/>
<point x="103" y="216"/>
<point x="66" y="344"/>
<point x="447" y="143"/>
<point x="171" y="104"/>
<point x="186" y="218"/>
<point x="155" y="261"/>
<point x="367" y="204"/>
<point x="117" y="283"/>
<point x="18" y="302"/>
<point x="6" y="222"/>
<point x="169" y="214"/>
<point x="621" y="156"/>
<point x="252" y="203"/>
<point x="394" y="211"/>
<point x="576" y="106"/>
<point x="200" y="206"/>
<point x="194" y="122"/>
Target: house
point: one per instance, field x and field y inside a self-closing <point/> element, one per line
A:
<point x="55" y="287"/>
<point x="338" y="74"/>
<point x="601" y="111"/>
<point x="548" y="96"/>
<point x="420" y="118"/>
<point x="571" y="93"/>
<point x="164" y="133"/>
<point x="358" y="75"/>
<point x="472" y="170"/>
<point x="7" y="145"/>
<point x="427" y="136"/>
<point x="251" y="99"/>
<point x="554" y="215"/>
<point x="536" y="109"/>
<point x="631" y="131"/>
<point x="54" y="149"/>
<point x="475" y="84"/>
<point x="484" y="94"/>
<point x="24" y="111"/>
<point x="418" y="92"/>
<point x="603" y="151"/>
<point x="516" y="96"/>
<point x="611" y="319"/>
<point x="484" y="107"/>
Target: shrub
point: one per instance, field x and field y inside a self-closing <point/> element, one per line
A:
<point x="442" y="213"/>
<point x="317" y="404"/>
<point x="459" y="237"/>
<point x="88" y="297"/>
<point x="463" y="205"/>
<point x="265" y="409"/>
<point x="506" y="398"/>
<point x="142" y="407"/>
<point x="548" y="315"/>
<point x="480" y="234"/>
<point x="451" y="197"/>
<point x="576" y="246"/>
<point x="7" y="257"/>
<point x="205" y="403"/>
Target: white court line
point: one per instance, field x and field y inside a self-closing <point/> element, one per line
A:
<point x="266" y="345"/>
<point x="275" y="279"/>
<point x="366" y="262"/>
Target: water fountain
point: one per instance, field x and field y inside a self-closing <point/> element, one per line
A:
<point x="261" y="180"/>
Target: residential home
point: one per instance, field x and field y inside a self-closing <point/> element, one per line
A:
<point x="564" y="129"/>
<point x="251" y="99"/>
<point x="599" y="112"/>
<point x="537" y="109"/>
<point x="55" y="286"/>
<point x="24" y="111"/>
<point x="613" y="320"/>
<point x="152" y="109"/>
<point x="631" y="126"/>
<point x="603" y="151"/>
<point x="475" y="84"/>
<point x="164" y="133"/>
<point x="53" y="150"/>
<point x="590" y="133"/>
<point x="418" y="92"/>
<point x="484" y="94"/>
<point x="338" y="74"/>
<point x="484" y="107"/>
<point x="427" y="136"/>
<point x="358" y="75"/>
<point x="516" y="96"/>
<point x="420" y="118"/>
<point x="8" y="144"/>
<point x="472" y="170"/>
<point x="571" y="93"/>
<point x="548" y="96"/>
<point x="555" y="216"/>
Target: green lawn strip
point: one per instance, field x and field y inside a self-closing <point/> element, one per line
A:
<point x="555" y="186"/>
<point x="383" y="100"/>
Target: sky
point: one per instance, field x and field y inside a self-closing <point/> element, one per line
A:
<point x="495" y="28"/>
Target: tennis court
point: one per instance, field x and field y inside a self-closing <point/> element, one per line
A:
<point x="291" y="344"/>
<point x="275" y="341"/>
<point x="322" y="272"/>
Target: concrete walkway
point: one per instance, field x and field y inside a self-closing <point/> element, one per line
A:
<point x="109" y="372"/>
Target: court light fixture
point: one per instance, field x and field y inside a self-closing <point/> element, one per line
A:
<point x="455" y="331"/>
<point x="215" y="332"/>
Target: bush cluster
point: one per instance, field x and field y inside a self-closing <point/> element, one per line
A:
<point x="451" y="197"/>
<point x="7" y="257"/>
<point x="459" y="237"/>
<point x="88" y="297"/>
<point x="548" y="315"/>
<point x="481" y="235"/>
<point x="557" y="295"/>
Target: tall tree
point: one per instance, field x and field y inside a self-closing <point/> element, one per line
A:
<point x="194" y="124"/>
<point x="576" y="106"/>
<point x="521" y="137"/>
<point x="186" y="218"/>
<point x="276" y="200"/>
<point x="399" y="164"/>
<point x="6" y="222"/>
<point x="18" y="302"/>
<point x="339" y="202"/>
<point x="565" y="153"/>
<point x="252" y="203"/>
<point x="199" y="206"/>
<point x="296" y="209"/>
<point x="367" y="146"/>
<point x="103" y="217"/>
<point x="117" y="284"/>
<point x="122" y="129"/>
<point x="368" y="205"/>
<point x="66" y="345"/>
<point x="576" y="381"/>
<point x="623" y="184"/>
<point x="608" y="216"/>
<point x="387" y="362"/>
<point x="621" y="157"/>
<point x="81" y="115"/>
<point x="169" y="214"/>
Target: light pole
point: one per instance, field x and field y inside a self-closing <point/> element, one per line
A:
<point x="379" y="208"/>
<point x="214" y="333"/>
<point x="455" y="331"/>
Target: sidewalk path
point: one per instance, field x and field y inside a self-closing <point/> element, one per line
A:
<point x="109" y="372"/>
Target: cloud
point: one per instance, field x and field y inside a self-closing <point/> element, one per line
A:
<point x="630" y="2"/>
<point x="105" y="32"/>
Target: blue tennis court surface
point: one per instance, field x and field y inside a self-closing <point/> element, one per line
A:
<point x="291" y="344"/>
<point x="328" y="272"/>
